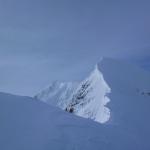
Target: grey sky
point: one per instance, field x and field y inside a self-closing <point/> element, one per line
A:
<point x="45" y="40"/>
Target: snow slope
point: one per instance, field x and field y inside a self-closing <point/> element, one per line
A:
<point x="87" y="99"/>
<point x="90" y="98"/>
<point x="57" y="94"/>
<point x="28" y="124"/>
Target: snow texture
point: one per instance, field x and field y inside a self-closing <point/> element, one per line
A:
<point x="90" y="98"/>
<point x="57" y="94"/>
<point x="94" y="96"/>
<point x="87" y="99"/>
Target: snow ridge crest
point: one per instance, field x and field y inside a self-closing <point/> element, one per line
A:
<point x="90" y="98"/>
<point x="87" y="99"/>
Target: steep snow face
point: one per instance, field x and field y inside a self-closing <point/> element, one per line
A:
<point x="87" y="99"/>
<point x="57" y="94"/>
<point x="90" y="98"/>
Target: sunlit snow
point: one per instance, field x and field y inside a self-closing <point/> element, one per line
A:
<point x="90" y="98"/>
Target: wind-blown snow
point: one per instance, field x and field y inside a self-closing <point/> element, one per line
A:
<point x="90" y="98"/>
<point x="28" y="124"/>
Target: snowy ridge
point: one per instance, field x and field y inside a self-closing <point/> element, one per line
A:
<point x="90" y="98"/>
<point x="87" y="99"/>
<point x="28" y="124"/>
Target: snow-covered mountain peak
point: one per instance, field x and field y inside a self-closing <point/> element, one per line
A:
<point x="90" y="98"/>
<point x="95" y="74"/>
<point x="87" y="99"/>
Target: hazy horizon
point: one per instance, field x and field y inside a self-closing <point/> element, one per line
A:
<point x="44" y="40"/>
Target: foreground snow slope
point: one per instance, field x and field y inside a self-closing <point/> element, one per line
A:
<point x="87" y="99"/>
<point x="28" y="124"/>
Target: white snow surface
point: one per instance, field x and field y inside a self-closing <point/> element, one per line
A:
<point x="57" y="93"/>
<point x="90" y="98"/>
<point x="28" y="124"/>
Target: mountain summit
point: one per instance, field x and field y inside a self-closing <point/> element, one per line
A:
<point x="112" y="85"/>
<point x="90" y="98"/>
<point x="87" y="99"/>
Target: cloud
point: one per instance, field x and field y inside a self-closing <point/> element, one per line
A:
<point x="43" y="40"/>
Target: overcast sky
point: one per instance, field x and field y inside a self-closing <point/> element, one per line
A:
<point x="46" y="40"/>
